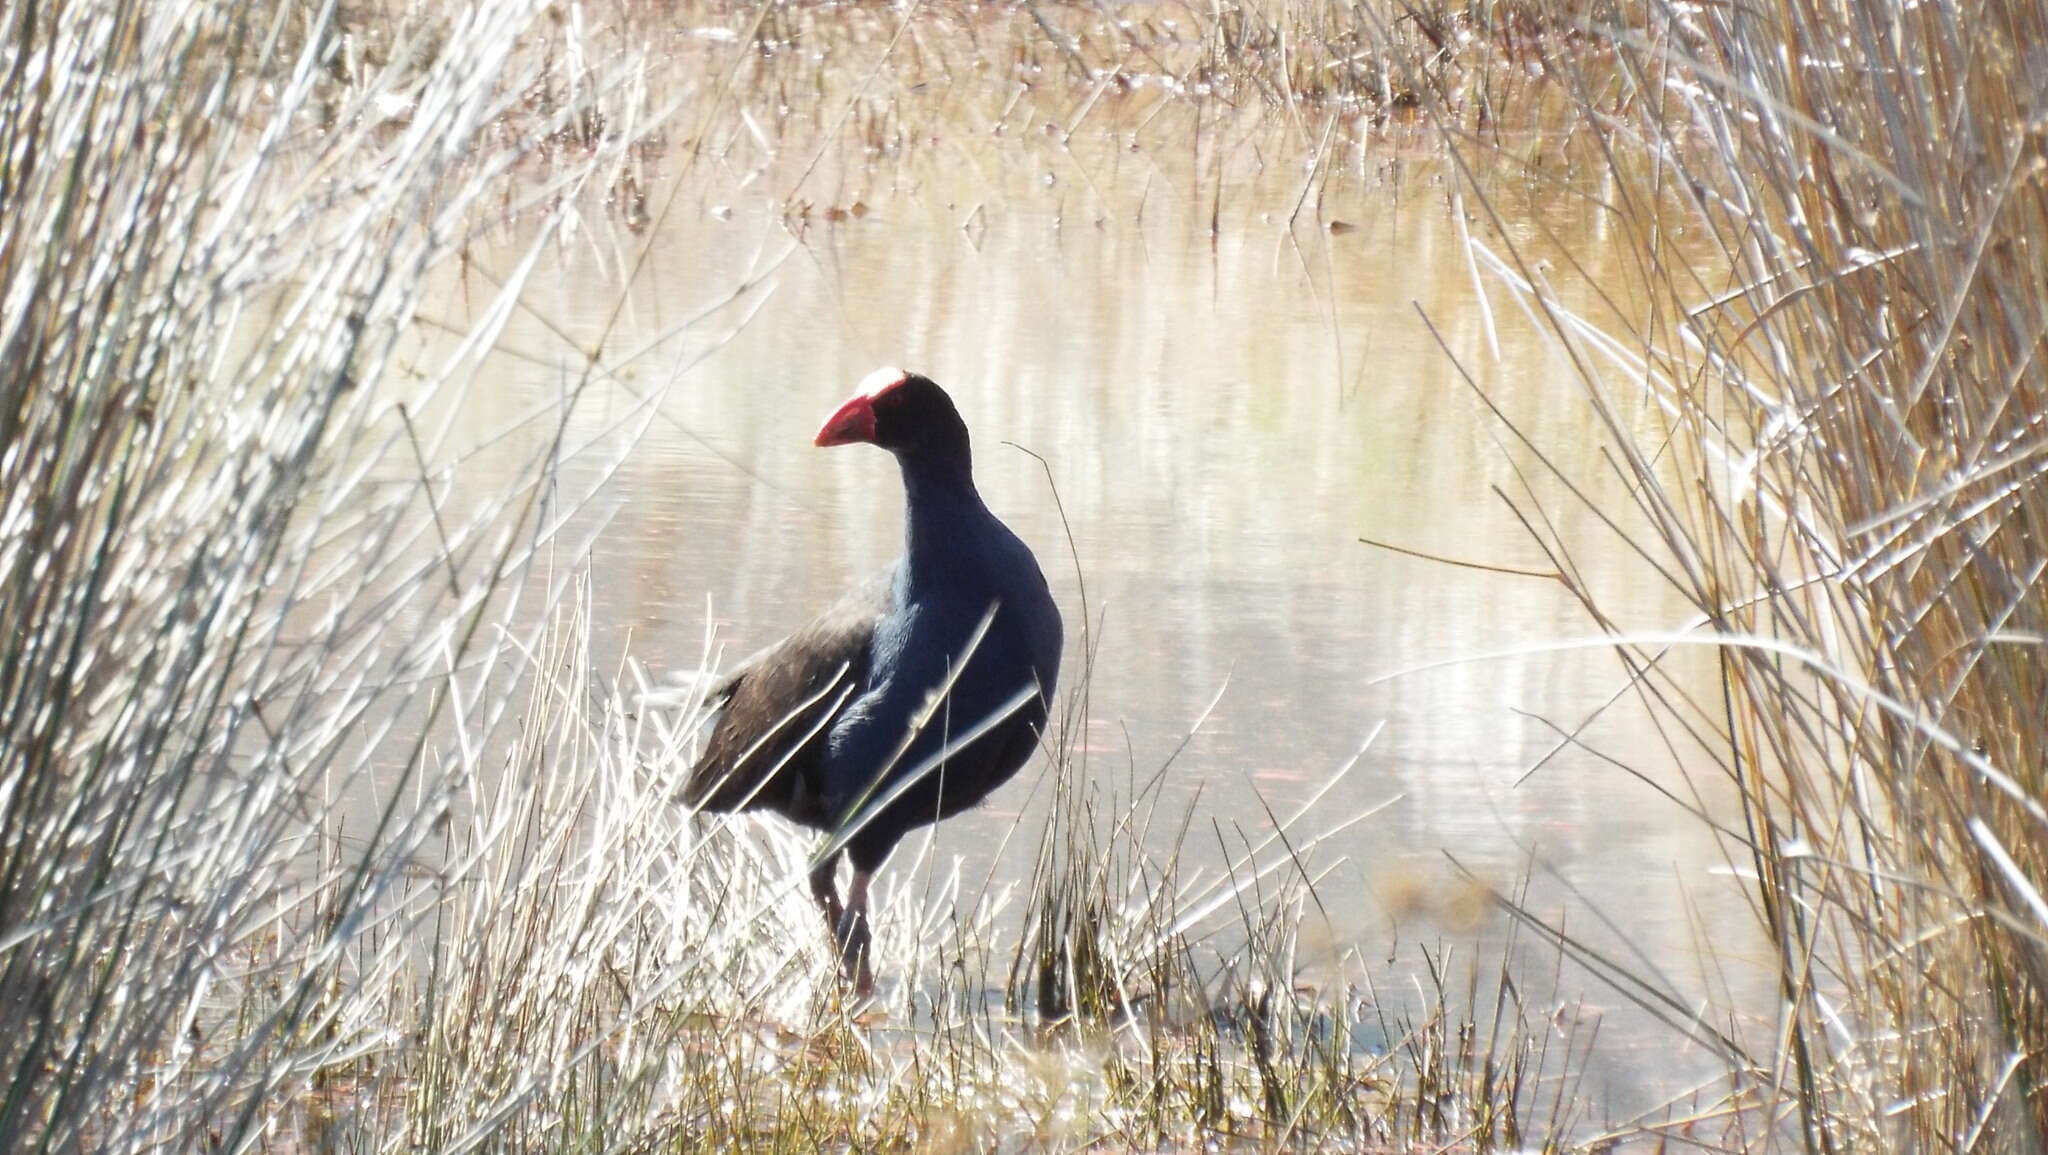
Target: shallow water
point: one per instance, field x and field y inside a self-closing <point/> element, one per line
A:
<point x="1221" y="418"/>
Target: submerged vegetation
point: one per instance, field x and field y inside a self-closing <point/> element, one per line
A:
<point x="319" y="830"/>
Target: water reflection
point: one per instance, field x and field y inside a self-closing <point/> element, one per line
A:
<point x="1223" y="418"/>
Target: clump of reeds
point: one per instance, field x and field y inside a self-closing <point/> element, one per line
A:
<point x="1835" y="215"/>
<point x="219" y="222"/>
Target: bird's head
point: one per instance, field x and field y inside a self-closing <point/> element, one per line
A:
<point x="901" y="412"/>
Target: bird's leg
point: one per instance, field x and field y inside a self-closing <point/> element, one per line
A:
<point x="853" y="935"/>
<point x="825" y="888"/>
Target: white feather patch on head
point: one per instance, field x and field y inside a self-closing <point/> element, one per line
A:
<point x="881" y="381"/>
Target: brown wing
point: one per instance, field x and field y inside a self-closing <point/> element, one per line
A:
<point x="766" y="748"/>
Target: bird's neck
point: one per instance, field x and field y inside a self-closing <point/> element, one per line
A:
<point x="941" y="508"/>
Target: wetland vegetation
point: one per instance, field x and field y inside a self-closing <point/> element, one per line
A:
<point x="329" y="822"/>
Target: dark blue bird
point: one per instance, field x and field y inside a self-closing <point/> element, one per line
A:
<point x="913" y="697"/>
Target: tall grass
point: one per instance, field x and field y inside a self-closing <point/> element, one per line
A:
<point x="1836" y="216"/>
<point x="218" y="225"/>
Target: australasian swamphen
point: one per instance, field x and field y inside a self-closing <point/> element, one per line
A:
<point x="913" y="697"/>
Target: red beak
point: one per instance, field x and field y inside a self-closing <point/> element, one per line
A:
<point x="855" y="421"/>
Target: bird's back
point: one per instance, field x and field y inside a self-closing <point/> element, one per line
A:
<point x="767" y="746"/>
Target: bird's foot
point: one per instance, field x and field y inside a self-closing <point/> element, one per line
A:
<point x="826" y="892"/>
<point x="854" y="943"/>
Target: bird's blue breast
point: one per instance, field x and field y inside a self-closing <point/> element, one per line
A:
<point x="928" y="641"/>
